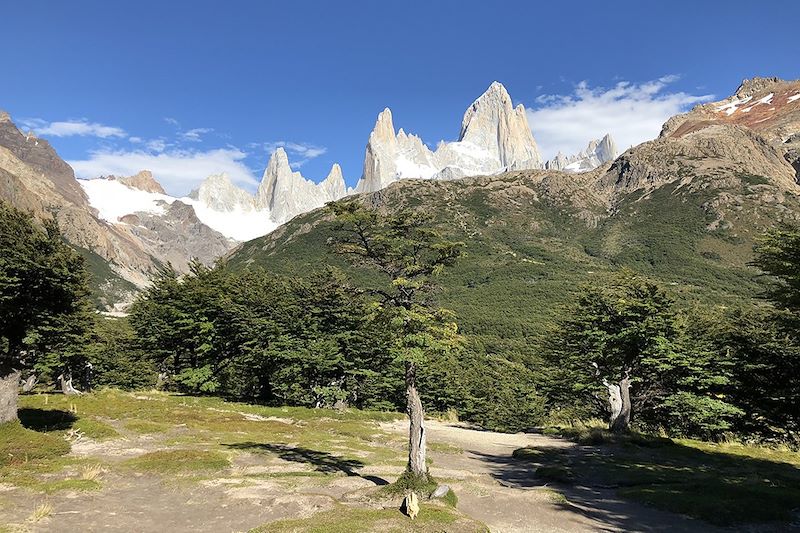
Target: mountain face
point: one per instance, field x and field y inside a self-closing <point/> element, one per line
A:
<point x="285" y="193"/>
<point x="144" y="181"/>
<point x="494" y="137"/>
<point x="170" y="230"/>
<point x="125" y="226"/>
<point x="34" y="178"/>
<point x="684" y="209"/>
<point x="768" y="106"/>
<point x="595" y="154"/>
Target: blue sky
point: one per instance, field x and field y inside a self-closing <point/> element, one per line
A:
<point x="196" y="87"/>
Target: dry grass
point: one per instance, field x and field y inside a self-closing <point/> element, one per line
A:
<point x="92" y="472"/>
<point x="41" y="512"/>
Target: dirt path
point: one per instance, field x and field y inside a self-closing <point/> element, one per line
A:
<point x="258" y="488"/>
<point x="503" y="493"/>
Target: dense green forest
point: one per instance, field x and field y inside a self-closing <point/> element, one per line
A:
<point x="322" y="340"/>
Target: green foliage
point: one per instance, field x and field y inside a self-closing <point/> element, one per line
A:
<point x="117" y="358"/>
<point x="500" y="395"/>
<point x="700" y="415"/>
<point x="44" y="306"/>
<point x="631" y="328"/>
<point x="778" y="255"/>
<point x="255" y="336"/>
<point x="408" y="254"/>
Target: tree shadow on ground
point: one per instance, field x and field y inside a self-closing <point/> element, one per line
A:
<point x="720" y="488"/>
<point x="46" y="419"/>
<point x="321" y="461"/>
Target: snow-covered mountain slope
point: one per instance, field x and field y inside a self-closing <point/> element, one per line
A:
<point x="239" y="221"/>
<point x="495" y="136"/>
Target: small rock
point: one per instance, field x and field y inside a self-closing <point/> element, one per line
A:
<point x="411" y="505"/>
<point x="441" y="491"/>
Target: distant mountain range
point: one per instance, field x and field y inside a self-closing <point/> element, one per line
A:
<point x="128" y="226"/>
<point x="684" y="209"/>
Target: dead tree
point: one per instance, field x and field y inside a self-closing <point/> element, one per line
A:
<point x="66" y="386"/>
<point x="619" y="402"/>
<point x="29" y="383"/>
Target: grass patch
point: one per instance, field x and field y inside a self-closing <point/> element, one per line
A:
<point x="451" y="498"/>
<point x="20" y="445"/>
<point x="724" y="484"/>
<point x="408" y="482"/>
<point x="146" y="427"/>
<point x="554" y="496"/>
<point x="179" y="461"/>
<point x="444" y="447"/>
<point x="432" y="518"/>
<point x="95" y="429"/>
<point x="592" y="435"/>
<point x="75" y="485"/>
<point x="555" y="473"/>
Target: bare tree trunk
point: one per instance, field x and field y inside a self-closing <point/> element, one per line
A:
<point x="622" y="421"/>
<point x="66" y="386"/>
<point x="614" y="402"/>
<point x="30" y="383"/>
<point x="9" y="392"/>
<point x="416" y="435"/>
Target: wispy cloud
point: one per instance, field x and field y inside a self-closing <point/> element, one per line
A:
<point x="302" y="153"/>
<point x="70" y="128"/>
<point x="195" y="134"/>
<point x="156" y="145"/>
<point x="179" y="171"/>
<point x="631" y="112"/>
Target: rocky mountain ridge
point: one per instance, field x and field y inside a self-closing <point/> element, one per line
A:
<point x="494" y="136"/>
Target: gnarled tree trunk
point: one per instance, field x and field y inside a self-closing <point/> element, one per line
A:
<point x="66" y="386"/>
<point x="9" y="391"/>
<point x="416" y="435"/>
<point x="622" y="420"/>
<point x="30" y="383"/>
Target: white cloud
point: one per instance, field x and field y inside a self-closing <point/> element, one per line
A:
<point x="301" y="152"/>
<point x="194" y="135"/>
<point x="179" y="171"/>
<point x="632" y="113"/>
<point x="156" y="145"/>
<point x="69" y="128"/>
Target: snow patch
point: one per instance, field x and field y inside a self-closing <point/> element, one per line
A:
<point x="238" y="224"/>
<point x="731" y="107"/>
<point x="113" y="200"/>
<point x="795" y="97"/>
<point x="766" y="100"/>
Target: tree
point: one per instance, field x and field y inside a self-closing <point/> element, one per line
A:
<point x="43" y="301"/>
<point x="407" y="253"/>
<point x="626" y="342"/>
<point x="778" y="255"/>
